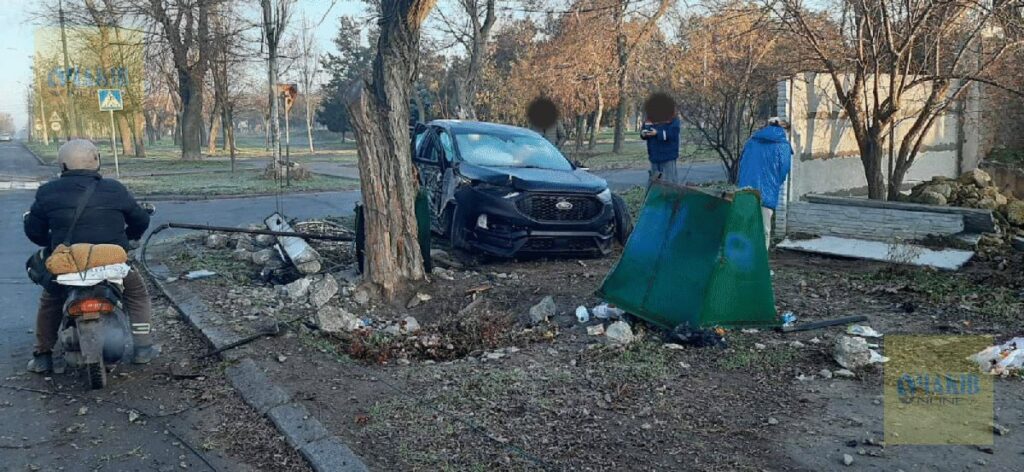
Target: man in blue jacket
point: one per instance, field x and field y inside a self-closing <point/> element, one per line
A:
<point x="661" y="131"/>
<point x="764" y="165"/>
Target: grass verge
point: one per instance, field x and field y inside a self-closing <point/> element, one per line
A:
<point x="220" y="184"/>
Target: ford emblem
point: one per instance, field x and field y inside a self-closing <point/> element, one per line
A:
<point x="563" y="205"/>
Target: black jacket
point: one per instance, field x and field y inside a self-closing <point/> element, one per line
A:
<point x="112" y="215"/>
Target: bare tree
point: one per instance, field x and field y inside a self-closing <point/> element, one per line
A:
<point x="276" y="15"/>
<point x="903" y="63"/>
<point x="379" y="110"/>
<point x="625" y="46"/>
<point x="309" y="73"/>
<point x="185" y="29"/>
<point x="472" y="31"/>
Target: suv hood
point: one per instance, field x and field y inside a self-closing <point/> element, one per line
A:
<point x="536" y="180"/>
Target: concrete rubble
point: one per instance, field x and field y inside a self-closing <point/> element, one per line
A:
<point x="973" y="189"/>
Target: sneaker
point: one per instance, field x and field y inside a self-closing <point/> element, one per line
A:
<point x="145" y="354"/>
<point x="41" y="363"/>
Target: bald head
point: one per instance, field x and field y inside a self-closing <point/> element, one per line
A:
<point x="78" y="154"/>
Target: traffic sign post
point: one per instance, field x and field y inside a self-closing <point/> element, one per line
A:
<point x="110" y="100"/>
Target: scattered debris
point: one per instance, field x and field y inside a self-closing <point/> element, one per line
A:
<point x="595" y="330"/>
<point x="674" y="346"/>
<point x="844" y="373"/>
<point x="199" y="274"/>
<point x="410" y="325"/>
<point x="825" y="373"/>
<point x="823" y="323"/>
<point x="1002" y="359"/>
<point x="760" y="347"/>
<point x="361" y="297"/>
<point x="543" y="311"/>
<point x="698" y="337"/>
<point x="863" y="331"/>
<point x="1000" y="429"/>
<point x="335" y="319"/>
<point x="216" y="241"/>
<point x="298" y="289"/>
<point x="788" y="318"/>
<point x="133" y="416"/>
<point x="851" y="352"/>
<point x="847" y="460"/>
<point x="605" y="311"/>
<point x="322" y="289"/>
<point x="620" y="332"/>
<point x="772" y="421"/>
<point x="417" y="300"/>
<point x="582" y="314"/>
<point x="82" y="411"/>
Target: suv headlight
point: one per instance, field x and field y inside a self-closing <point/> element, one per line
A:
<point x="605" y="196"/>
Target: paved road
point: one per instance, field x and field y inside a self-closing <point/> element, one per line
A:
<point x="689" y="173"/>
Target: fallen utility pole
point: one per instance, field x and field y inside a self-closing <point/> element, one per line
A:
<point x="229" y="229"/>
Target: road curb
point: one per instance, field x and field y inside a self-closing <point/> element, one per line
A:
<point x="34" y="155"/>
<point x="323" y="451"/>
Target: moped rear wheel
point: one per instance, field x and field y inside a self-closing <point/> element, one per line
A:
<point x="97" y="374"/>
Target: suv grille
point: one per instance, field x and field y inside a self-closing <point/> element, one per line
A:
<point x="557" y="207"/>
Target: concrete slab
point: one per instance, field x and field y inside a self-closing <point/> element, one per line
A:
<point x="948" y="259"/>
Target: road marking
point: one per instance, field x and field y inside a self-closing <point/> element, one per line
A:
<point x="10" y="185"/>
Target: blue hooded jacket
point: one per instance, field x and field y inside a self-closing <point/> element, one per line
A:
<point x="765" y="163"/>
<point x="665" y="146"/>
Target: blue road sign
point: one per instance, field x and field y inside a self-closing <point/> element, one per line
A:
<point x="110" y="100"/>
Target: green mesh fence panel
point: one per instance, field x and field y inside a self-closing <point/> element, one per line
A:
<point x="695" y="258"/>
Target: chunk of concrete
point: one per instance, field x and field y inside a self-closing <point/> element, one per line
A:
<point x="335" y="319"/>
<point x="323" y="288"/>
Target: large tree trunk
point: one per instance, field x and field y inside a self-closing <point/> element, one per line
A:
<point x="621" y="110"/>
<point x="215" y="119"/>
<point x="871" y="157"/>
<point x="191" y="91"/>
<point x="379" y="112"/>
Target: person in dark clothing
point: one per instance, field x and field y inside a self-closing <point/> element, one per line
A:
<point x="661" y="131"/>
<point x="111" y="216"/>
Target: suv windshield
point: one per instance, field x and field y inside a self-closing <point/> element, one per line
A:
<point x="510" y="150"/>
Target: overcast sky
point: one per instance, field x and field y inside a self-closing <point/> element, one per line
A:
<point x="16" y="44"/>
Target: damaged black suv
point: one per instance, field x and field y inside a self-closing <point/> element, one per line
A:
<point x="506" y="191"/>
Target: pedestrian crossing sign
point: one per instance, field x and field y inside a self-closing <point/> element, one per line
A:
<point x="110" y="100"/>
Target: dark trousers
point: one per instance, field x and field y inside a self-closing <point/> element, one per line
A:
<point x="136" y="302"/>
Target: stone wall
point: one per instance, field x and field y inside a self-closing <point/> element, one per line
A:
<point x="880" y="224"/>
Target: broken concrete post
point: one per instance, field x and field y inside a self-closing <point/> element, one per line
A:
<point x="305" y="258"/>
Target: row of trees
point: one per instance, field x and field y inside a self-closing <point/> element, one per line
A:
<point x="890" y="63"/>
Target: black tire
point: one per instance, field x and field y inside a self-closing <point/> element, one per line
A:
<point x="456" y="230"/>
<point x="623" y="220"/>
<point x="97" y="374"/>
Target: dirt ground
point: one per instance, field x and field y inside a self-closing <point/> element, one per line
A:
<point x="479" y="388"/>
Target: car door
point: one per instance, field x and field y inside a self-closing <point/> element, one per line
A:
<point x="429" y="161"/>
